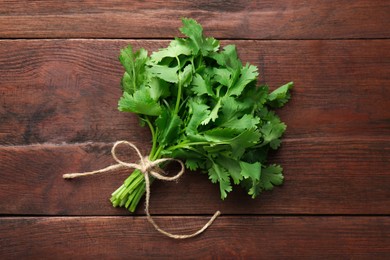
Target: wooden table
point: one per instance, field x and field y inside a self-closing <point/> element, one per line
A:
<point x="59" y="87"/>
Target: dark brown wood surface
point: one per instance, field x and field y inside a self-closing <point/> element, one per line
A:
<point x="248" y="237"/>
<point x="59" y="87"/>
<point x="238" y="19"/>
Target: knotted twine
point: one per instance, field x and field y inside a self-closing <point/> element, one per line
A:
<point x="147" y="167"/>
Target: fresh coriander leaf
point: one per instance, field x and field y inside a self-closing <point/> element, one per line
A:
<point x="175" y="49"/>
<point x="220" y="135"/>
<point x="255" y="190"/>
<point x="250" y="170"/>
<point x="272" y="131"/>
<point x="184" y="154"/>
<point x="224" y="188"/>
<point x="232" y="166"/>
<point x="231" y="109"/>
<point x="200" y="86"/>
<point x="280" y="96"/>
<point x="127" y="83"/>
<point x="255" y="98"/>
<point x="199" y="112"/>
<point x="252" y="186"/>
<point x="169" y="126"/>
<point x="165" y="73"/>
<point x="271" y="176"/>
<point x="223" y="76"/>
<point x="185" y="77"/>
<point x="134" y="64"/>
<point x="158" y="88"/>
<point x="256" y="154"/>
<point x="219" y="174"/>
<point x="248" y="74"/>
<point x="247" y="121"/>
<point x="196" y="41"/>
<point x="246" y="139"/>
<point x="140" y="102"/>
<point x="228" y="58"/>
<point x="192" y="164"/>
<point x="213" y="115"/>
<point x="194" y="32"/>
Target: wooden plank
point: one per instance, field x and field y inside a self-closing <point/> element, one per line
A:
<point x="293" y="19"/>
<point x="232" y="237"/>
<point x="67" y="90"/>
<point x="322" y="176"/>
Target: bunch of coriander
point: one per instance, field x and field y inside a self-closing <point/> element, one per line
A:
<point x="203" y="107"/>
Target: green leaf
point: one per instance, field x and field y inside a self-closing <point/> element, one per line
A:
<point x="231" y="109"/>
<point x="232" y="166"/>
<point x="219" y="174"/>
<point x="197" y="42"/>
<point x="247" y="121"/>
<point x="201" y="87"/>
<point x="194" y="31"/>
<point x="247" y="138"/>
<point x="237" y="140"/>
<point x="223" y="76"/>
<point x="185" y="77"/>
<point x="134" y="64"/>
<point x="213" y="115"/>
<point x="127" y="83"/>
<point x="248" y="74"/>
<point x="256" y="154"/>
<point x="255" y="98"/>
<point x="158" y="88"/>
<point x="164" y="72"/>
<point x="185" y="154"/>
<point x="271" y="176"/>
<point x="272" y="131"/>
<point x="168" y="125"/>
<point x="250" y="170"/>
<point x="175" y="49"/>
<point x="192" y="164"/>
<point x="280" y="96"/>
<point x="199" y="112"/>
<point x="220" y="135"/>
<point x="228" y="58"/>
<point x="140" y="102"/>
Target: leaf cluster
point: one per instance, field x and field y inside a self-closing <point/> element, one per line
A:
<point x="203" y="106"/>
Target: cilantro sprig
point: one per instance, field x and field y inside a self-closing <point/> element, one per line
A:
<point x="202" y="106"/>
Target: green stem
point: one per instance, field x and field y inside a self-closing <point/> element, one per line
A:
<point x="154" y="137"/>
<point x="134" y="77"/>
<point x="178" y="98"/>
<point x="186" y="145"/>
<point x="131" y="191"/>
<point x="157" y="154"/>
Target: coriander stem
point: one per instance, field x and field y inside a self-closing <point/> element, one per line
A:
<point x="157" y="154"/>
<point x="186" y="145"/>
<point x="134" y="76"/>
<point x="154" y="137"/>
<point x="178" y="98"/>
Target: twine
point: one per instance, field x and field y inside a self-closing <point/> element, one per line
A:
<point x="147" y="167"/>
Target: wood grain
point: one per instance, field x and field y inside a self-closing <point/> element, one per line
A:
<point x="292" y="19"/>
<point x="67" y="90"/>
<point x="59" y="89"/>
<point x="244" y="238"/>
<point x="322" y="176"/>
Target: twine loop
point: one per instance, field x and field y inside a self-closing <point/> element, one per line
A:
<point x="147" y="167"/>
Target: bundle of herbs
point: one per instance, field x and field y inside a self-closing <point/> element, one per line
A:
<point x="203" y="106"/>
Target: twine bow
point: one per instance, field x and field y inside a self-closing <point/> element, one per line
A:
<point x="147" y="167"/>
